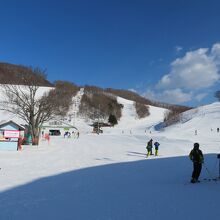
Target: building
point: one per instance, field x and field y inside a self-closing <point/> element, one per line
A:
<point x="57" y="128"/>
<point x="10" y="132"/>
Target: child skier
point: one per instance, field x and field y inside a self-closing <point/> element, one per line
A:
<point x="197" y="158"/>
<point x="156" y="145"/>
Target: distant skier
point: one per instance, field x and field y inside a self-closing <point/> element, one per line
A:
<point x="156" y="145"/>
<point x="217" y="129"/>
<point x="195" y="132"/>
<point x="149" y="147"/>
<point x="65" y="134"/>
<point x="197" y="158"/>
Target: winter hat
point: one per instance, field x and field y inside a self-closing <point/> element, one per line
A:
<point x="196" y="146"/>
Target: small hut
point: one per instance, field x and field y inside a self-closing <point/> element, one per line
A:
<point x="10" y="132"/>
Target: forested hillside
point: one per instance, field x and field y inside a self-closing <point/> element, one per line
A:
<point x="95" y="102"/>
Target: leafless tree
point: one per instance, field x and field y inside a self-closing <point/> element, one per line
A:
<point x="171" y="117"/>
<point x="27" y="103"/>
<point x="142" y="110"/>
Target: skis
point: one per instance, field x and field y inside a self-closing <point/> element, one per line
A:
<point x="204" y="180"/>
<point x="212" y="179"/>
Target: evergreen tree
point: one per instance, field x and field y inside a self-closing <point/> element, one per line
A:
<point x="112" y="120"/>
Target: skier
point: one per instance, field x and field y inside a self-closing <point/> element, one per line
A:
<point x="65" y="134"/>
<point x="197" y="158"/>
<point x="217" y="129"/>
<point x="149" y="147"/>
<point x="156" y="145"/>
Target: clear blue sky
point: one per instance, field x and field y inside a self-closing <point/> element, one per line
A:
<point x="126" y="44"/>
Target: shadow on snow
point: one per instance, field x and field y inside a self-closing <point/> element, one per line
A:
<point x="146" y="189"/>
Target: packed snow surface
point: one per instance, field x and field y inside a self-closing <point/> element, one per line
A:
<point x="107" y="176"/>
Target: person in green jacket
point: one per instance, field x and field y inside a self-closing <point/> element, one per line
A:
<point x="149" y="147"/>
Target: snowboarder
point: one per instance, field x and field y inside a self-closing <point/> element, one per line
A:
<point x="149" y="147"/>
<point x="197" y="158"/>
<point x="156" y="145"/>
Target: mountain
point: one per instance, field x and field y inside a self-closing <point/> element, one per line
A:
<point x="93" y="102"/>
<point x="109" y="175"/>
<point x="12" y="74"/>
<point x="103" y="102"/>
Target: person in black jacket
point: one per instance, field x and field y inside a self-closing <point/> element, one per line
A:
<point x="149" y="147"/>
<point x="197" y="158"/>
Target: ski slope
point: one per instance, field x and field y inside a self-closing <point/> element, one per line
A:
<point x="107" y="176"/>
<point x="198" y="125"/>
<point x="129" y="122"/>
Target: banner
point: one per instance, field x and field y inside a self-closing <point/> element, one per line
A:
<point x="11" y="133"/>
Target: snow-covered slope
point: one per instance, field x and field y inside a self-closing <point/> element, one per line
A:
<point x="198" y="124"/>
<point x="107" y="176"/>
<point x="129" y="122"/>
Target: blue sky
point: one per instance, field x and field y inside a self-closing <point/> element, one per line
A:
<point x="166" y="50"/>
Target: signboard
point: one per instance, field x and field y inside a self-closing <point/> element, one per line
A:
<point x="11" y="133"/>
<point x="55" y="123"/>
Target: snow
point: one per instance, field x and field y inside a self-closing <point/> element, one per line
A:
<point x="107" y="176"/>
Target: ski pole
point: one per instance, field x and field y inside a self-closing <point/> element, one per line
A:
<point x="218" y="156"/>
<point x="210" y="175"/>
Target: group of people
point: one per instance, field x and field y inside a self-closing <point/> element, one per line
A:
<point x="149" y="147"/>
<point x="195" y="155"/>
<point x="217" y="129"/>
<point x="68" y="134"/>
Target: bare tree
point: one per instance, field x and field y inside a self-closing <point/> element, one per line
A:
<point x="171" y="117"/>
<point x="27" y="103"/>
<point x="142" y="110"/>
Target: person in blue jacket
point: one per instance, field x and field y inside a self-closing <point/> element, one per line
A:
<point x="156" y="145"/>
